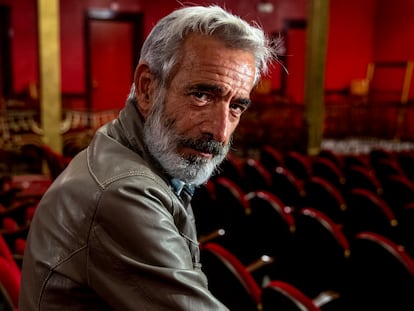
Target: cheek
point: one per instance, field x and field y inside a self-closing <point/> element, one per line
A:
<point x="188" y="122"/>
<point x="234" y="125"/>
<point x="183" y="120"/>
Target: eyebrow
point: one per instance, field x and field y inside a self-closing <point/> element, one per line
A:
<point x="215" y="89"/>
<point x="243" y="101"/>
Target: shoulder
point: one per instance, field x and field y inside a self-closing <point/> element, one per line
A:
<point x="109" y="161"/>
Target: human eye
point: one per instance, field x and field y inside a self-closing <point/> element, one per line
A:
<point x="201" y="96"/>
<point x="238" y="108"/>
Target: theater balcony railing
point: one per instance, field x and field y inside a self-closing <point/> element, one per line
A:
<point x="279" y="122"/>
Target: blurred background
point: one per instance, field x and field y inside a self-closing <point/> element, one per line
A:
<point x="361" y="53"/>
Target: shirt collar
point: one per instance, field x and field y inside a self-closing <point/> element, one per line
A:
<point x="178" y="186"/>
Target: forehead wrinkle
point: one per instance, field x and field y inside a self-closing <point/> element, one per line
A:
<point x="233" y="81"/>
<point x="235" y="74"/>
<point x="229" y="70"/>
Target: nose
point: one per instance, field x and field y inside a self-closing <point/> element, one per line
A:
<point x="221" y="126"/>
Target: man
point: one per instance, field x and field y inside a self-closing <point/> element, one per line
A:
<point x="116" y="231"/>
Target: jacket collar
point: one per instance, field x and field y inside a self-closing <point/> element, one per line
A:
<point x="132" y="124"/>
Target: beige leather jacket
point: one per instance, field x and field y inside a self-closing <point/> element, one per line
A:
<point x="111" y="234"/>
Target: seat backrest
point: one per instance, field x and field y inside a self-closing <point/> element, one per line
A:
<point x="406" y="225"/>
<point x="5" y="250"/>
<point x="323" y="220"/>
<point x="322" y="252"/>
<point x="231" y="210"/>
<point x="389" y="247"/>
<point x="362" y="177"/>
<point x="398" y="191"/>
<point x="406" y="162"/>
<point x="385" y="168"/>
<point x="205" y="213"/>
<point x="299" y="164"/>
<point x="326" y="168"/>
<point x="271" y="157"/>
<point x="357" y="159"/>
<point x="9" y="273"/>
<point x="256" y="176"/>
<point x="229" y="279"/>
<point x="377" y="154"/>
<point x="381" y="274"/>
<point x="287" y="187"/>
<point x="280" y="295"/>
<point x="335" y="157"/>
<point x="10" y="280"/>
<point x="270" y="227"/>
<point x="321" y="194"/>
<point x="231" y="169"/>
<point x="230" y="198"/>
<point x="367" y="211"/>
<point x="263" y="203"/>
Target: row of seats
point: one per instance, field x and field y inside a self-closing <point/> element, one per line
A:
<point x="16" y="212"/>
<point x="19" y="197"/>
<point x="314" y="217"/>
<point x="317" y="221"/>
<point x="380" y="277"/>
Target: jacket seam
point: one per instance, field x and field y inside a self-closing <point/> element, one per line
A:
<point x="106" y="182"/>
<point x="52" y="271"/>
<point x="89" y="236"/>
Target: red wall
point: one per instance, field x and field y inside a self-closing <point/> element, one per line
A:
<point x="24" y="42"/>
<point x="72" y="45"/>
<point x="350" y="41"/>
<point x="394" y="32"/>
<point x="359" y="32"/>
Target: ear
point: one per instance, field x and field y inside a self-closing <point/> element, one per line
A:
<point x="144" y="88"/>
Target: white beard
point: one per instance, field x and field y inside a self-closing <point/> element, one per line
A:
<point x="162" y="142"/>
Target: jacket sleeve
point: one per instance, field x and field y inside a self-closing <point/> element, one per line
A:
<point x="138" y="257"/>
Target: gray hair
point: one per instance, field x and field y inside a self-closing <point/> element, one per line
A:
<point x="162" y="48"/>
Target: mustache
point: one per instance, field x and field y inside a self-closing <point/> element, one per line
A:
<point x="204" y="144"/>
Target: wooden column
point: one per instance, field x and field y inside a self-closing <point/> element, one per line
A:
<point x="49" y="62"/>
<point x="316" y="42"/>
